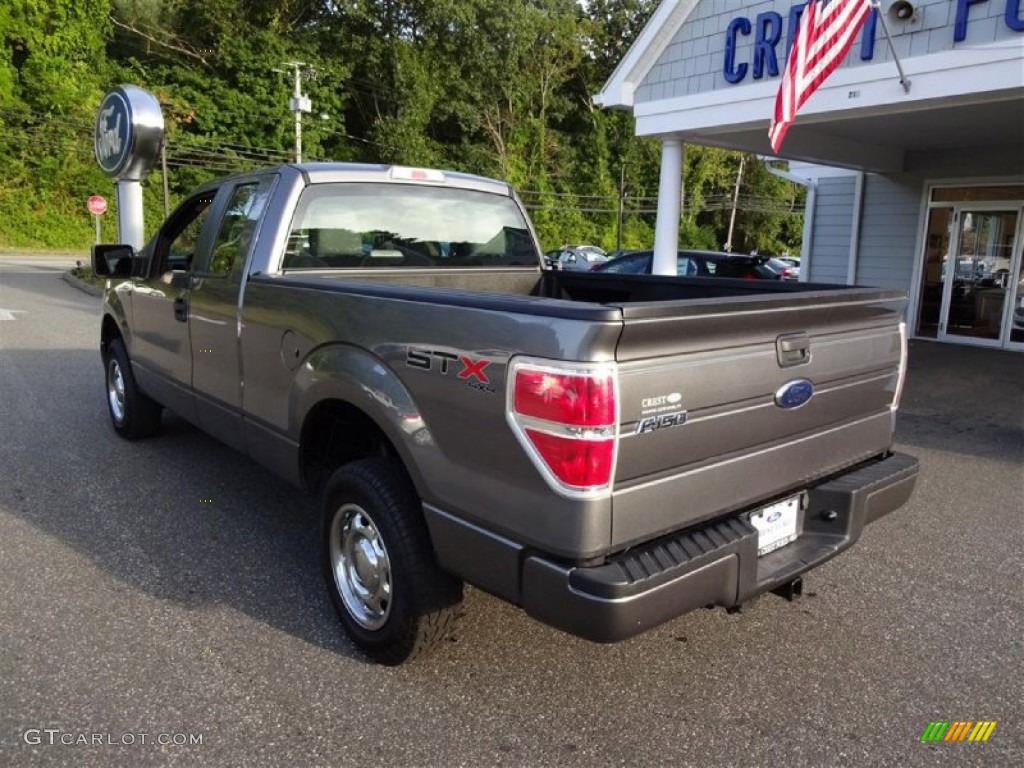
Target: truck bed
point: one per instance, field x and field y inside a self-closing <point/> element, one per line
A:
<point x="714" y="342"/>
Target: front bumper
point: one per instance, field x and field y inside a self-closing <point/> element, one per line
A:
<point x="716" y="564"/>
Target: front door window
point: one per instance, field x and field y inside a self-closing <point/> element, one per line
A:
<point x="176" y="245"/>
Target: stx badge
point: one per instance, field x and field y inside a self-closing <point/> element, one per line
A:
<point x="472" y="371"/>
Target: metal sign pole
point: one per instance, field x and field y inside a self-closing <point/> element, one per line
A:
<point x="129" y="213"/>
<point x="96" y="221"/>
<point x="128" y="136"/>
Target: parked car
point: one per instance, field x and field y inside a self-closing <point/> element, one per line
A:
<point x="577" y="258"/>
<point x="787" y="269"/>
<point x="695" y="264"/>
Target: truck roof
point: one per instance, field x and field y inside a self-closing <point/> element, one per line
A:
<point x="331" y="172"/>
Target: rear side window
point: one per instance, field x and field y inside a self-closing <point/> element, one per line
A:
<point x="237" y="227"/>
<point x="368" y="225"/>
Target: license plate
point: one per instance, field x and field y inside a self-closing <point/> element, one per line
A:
<point x="776" y="524"/>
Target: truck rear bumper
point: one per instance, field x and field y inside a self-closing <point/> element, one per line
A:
<point x="715" y="564"/>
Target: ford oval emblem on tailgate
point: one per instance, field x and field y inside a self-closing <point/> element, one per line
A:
<point x="793" y="394"/>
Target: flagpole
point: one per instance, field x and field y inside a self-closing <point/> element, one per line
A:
<point x="877" y="5"/>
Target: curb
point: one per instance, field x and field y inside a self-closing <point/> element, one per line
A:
<point x="81" y="285"/>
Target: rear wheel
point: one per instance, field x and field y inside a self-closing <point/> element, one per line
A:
<point x="393" y="600"/>
<point x="132" y="413"/>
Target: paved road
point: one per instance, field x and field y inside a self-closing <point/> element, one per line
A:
<point x="128" y="605"/>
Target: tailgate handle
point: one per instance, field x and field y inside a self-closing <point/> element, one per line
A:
<point x="794" y="349"/>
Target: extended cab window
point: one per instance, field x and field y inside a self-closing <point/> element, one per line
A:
<point x="368" y="225"/>
<point x="237" y="228"/>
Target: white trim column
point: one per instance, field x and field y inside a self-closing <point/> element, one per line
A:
<point x="670" y="189"/>
<point x="858" y="215"/>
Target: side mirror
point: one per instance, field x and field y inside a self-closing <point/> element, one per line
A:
<point x="112" y="260"/>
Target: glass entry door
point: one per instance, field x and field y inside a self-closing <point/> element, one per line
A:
<point x="1015" y="291"/>
<point x="980" y="275"/>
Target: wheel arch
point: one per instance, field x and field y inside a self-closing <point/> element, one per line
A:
<point x="109" y="330"/>
<point x="347" y="405"/>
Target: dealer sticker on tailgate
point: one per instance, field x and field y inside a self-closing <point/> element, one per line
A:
<point x="776" y="524"/>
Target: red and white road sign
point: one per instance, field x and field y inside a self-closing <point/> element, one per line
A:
<point x="97" y="205"/>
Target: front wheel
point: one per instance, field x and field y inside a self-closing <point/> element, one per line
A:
<point x="132" y="413"/>
<point x="393" y="600"/>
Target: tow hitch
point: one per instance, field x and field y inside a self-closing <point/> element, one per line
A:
<point x="790" y="590"/>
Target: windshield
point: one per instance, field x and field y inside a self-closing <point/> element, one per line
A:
<point x="404" y="225"/>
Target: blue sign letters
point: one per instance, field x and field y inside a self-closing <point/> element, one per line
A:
<point x="734" y="74"/>
<point x="768" y="32"/>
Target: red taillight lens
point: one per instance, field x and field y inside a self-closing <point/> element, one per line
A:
<point x="565" y="415"/>
<point x="566" y="398"/>
<point x="580" y="463"/>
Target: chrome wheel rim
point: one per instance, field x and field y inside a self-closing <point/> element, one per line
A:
<point x="115" y="390"/>
<point x="361" y="566"/>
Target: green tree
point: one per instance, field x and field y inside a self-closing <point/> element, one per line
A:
<point x="487" y="86"/>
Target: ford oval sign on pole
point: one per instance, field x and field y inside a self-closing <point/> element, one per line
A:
<point x="97" y="207"/>
<point x="129" y="132"/>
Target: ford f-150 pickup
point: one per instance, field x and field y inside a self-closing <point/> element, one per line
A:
<point x="606" y="451"/>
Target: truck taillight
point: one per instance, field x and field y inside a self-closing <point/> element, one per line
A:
<point x="902" y="376"/>
<point x="582" y="400"/>
<point x="576" y="462"/>
<point x="566" y="417"/>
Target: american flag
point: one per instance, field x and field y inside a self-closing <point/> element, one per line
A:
<point x="825" y="35"/>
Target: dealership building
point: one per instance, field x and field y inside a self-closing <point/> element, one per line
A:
<point x="912" y="152"/>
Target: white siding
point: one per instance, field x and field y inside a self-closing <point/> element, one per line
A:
<point x="891" y="212"/>
<point x="694" y="60"/>
<point x="888" y="234"/>
<point x="829" y="254"/>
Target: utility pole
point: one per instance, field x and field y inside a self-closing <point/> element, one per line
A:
<point x="298" y="104"/>
<point x="622" y="204"/>
<point x="735" y="203"/>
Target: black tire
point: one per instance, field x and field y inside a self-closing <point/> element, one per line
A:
<point x="401" y="605"/>
<point x="132" y="413"/>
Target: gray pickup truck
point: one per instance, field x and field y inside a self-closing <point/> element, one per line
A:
<point x="606" y="451"/>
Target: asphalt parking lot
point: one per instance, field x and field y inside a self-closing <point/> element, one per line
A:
<point x="168" y="588"/>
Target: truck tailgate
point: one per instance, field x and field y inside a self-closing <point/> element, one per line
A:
<point x="704" y="389"/>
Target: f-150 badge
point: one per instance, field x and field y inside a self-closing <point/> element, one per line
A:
<point x="661" y="412"/>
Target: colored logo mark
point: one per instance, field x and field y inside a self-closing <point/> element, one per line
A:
<point x="794" y="394"/>
<point x="958" y="730"/>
